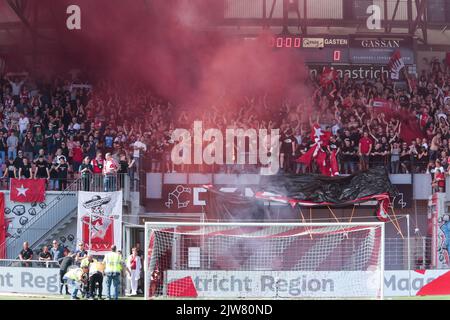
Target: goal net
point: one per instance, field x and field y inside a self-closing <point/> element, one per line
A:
<point x="264" y="260"/>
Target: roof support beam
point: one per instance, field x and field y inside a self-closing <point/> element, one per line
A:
<point x="393" y="15"/>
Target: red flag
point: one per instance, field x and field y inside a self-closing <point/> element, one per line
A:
<point x="334" y="164"/>
<point x="320" y="138"/>
<point x="3" y="226"/>
<point x="383" y="207"/>
<point x="27" y="190"/>
<point x="395" y="65"/>
<point x="328" y="76"/>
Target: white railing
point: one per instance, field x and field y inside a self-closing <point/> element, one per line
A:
<point x="28" y="263"/>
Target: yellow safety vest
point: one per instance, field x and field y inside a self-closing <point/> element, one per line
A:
<point x="84" y="263"/>
<point x="74" y="274"/>
<point x="113" y="262"/>
<point x="96" y="266"/>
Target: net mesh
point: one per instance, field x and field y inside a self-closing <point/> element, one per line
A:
<point x="238" y="261"/>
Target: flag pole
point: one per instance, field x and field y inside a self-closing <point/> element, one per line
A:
<point x="90" y="232"/>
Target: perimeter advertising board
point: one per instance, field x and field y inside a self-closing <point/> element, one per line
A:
<point x="396" y="283"/>
<point x="295" y="284"/>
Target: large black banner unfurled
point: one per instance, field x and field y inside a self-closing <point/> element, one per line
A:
<point x="310" y="190"/>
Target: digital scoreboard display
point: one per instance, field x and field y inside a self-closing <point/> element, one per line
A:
<point x="285" y="42"/>
<point x="307" y="42"/>
<point x="317" y="49"/>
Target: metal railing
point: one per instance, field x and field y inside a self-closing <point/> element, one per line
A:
<point x="94" y="182"/>
<point x="396" y="253"/>
<point x="17" y="263"/>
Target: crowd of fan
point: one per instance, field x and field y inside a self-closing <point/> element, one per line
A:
<point x="56" y="131"/>
<point x="64" y="128"/>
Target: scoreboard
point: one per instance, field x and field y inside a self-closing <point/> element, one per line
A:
<point x="359" y="50"/>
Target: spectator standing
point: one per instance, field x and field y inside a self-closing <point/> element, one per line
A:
<point x="57" y="251"/>
<point x="54" y="178"/>
<point x="77" y="156"/>
<point x="26" y="255"/>
<point x="80" y="253"/>
<point x="3" y="149"/>
<point x="434" y="147"/>
<point x="113" y="268"/>
<point x="18" y="162"/>
<point x="86" y="172"/>
<point x="10" y="172"/>
<point x="347" y="156"/>
<point x="405" y="158"/>
<point x="97" y="170"/>
<point x="41" y="169"/>
<point x="25" y="171"/>
<point x="62" y="168"/>
<point x="24" y="122"/>
<point x="134" y="267"/>
<point x="138" y="148"/>
<point x="110" y="172"/>
<point x="12" y="142"/>
<point x="395" y="158"/>
<point x="28" y="146"/>
<point x="438" y="183"/>
<point x="365" y="148"/>
<point x="64" y="264"/>
<point x="124" y="166"/>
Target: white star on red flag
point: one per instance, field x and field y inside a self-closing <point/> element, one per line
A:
<point x="22" y="191"/>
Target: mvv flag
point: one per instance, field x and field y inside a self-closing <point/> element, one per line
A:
<point x="100" y="220"/>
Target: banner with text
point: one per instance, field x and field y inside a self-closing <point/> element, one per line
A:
<point x="99" y="223"/>
<point x="307" y="283"/>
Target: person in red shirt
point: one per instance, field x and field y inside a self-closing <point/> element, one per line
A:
<point x="438" y="183"/>
<point x="97" y="170"/>
<point x="77" y="156"/>
<point x="364" y="149"/>
<point x="98" y="164"/>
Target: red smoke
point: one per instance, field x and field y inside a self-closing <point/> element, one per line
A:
<point x="158" y="42"/>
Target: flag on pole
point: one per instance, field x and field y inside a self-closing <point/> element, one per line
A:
<point x="3" y="226"/>
<point x="328" y="75"/>
<point x="395" y="65"/>
<point x="321" y="139"/>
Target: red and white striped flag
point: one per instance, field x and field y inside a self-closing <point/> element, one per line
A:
<point x="380" y="103"/>
<point x="395" y="65"/>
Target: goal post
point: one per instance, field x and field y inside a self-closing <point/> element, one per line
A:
<point x="264" y="260"/>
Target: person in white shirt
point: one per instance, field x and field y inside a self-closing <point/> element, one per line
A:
<point x="138" y="147"/>
<point x="134" y="266"/>
<point x="16" y="86"/>
<point x="110" y="168"/>
<point x="23" y="126"/>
